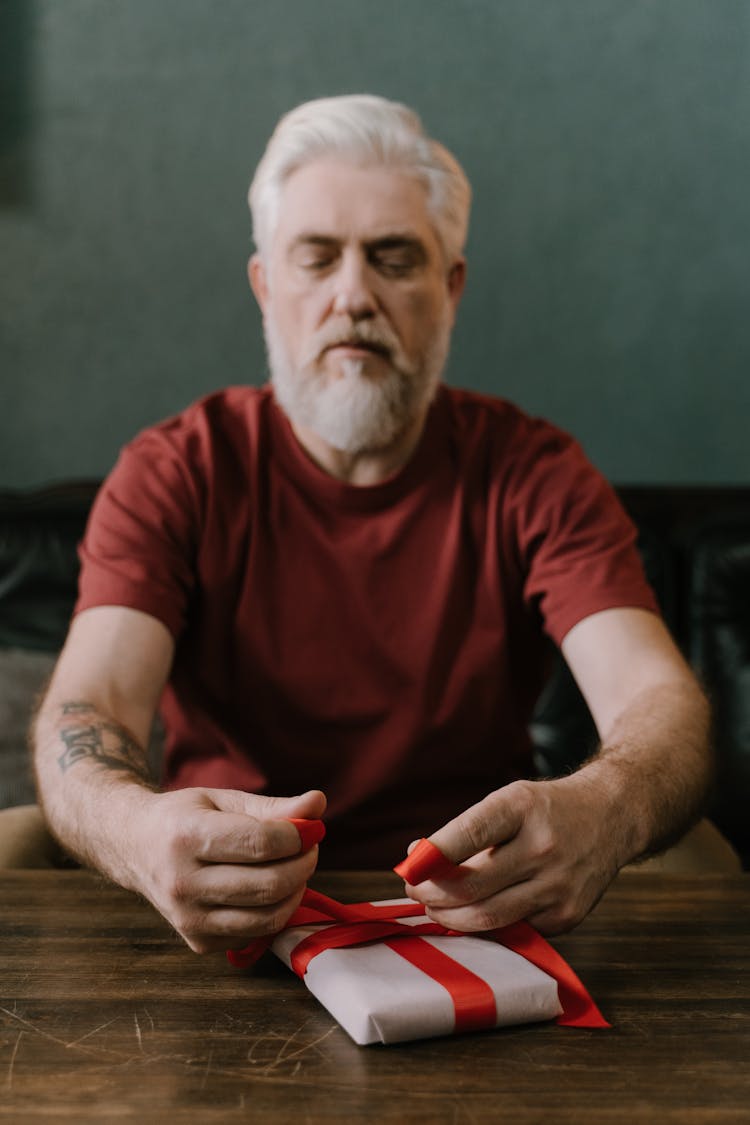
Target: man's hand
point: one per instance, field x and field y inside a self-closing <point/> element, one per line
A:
<point x="224" y="866"/>
<point x="543" y="851"/>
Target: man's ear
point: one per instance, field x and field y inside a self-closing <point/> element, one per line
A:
<point x="456" y="282"/>
<point x="256" y="275"/>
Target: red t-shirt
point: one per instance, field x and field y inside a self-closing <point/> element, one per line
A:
<point x="384" y="643"/>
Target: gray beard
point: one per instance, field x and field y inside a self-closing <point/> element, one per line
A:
<point x="356" y="413"/>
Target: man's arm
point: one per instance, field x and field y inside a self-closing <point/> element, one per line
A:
<point x="546" y="850"/>
<point x="221" y="865"/>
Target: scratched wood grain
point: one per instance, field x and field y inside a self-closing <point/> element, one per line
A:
<point x="105" y="1015"/>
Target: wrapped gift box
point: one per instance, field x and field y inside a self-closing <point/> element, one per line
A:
<point x="379" y="995"/>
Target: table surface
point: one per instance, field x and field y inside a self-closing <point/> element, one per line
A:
<point x="105" y="1014"/>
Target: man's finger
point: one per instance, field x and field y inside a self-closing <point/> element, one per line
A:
<point x="262" y="885"/>
<point x="494" y="820"/>
<point x="231" y="927"/>
<point x="226" y="837"/>
<point x="503" y="909"/>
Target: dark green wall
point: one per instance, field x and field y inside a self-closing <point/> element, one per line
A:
<point x="609" y="148"/>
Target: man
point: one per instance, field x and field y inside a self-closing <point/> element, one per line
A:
<point x="338" y="587"/>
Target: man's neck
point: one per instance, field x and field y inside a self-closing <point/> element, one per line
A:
<point x="362" y="469"/>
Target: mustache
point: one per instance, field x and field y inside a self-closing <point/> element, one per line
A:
<point x="367" y="335"/>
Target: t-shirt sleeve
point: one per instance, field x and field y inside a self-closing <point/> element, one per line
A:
<point x="577" y="546"/>
<point x="141" y="540"/>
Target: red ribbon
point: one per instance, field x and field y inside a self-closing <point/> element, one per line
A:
<point x="310" y="831"/>
<point x="424" y="861"/>
<point x="473" y="999"/>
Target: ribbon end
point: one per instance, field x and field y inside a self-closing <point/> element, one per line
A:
<point x="591" y="1020"/>
<point x="244" y="958"/>
<point x="311" y="832"/>
<point x="425" y="861"/>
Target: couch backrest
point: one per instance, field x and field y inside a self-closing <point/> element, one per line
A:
<point x="695" y="545"/>
<point x="719" y="607"/>
<point x="39" y="534"/>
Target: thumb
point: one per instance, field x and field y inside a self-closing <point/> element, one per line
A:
<point x="305" y="806"/>
<point x="494" y="820"/>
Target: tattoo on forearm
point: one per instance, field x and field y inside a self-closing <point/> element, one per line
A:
<point x="99" y="740"/>
<point x="77" y="708"/>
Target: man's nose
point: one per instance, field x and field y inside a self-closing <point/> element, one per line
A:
<point x="353" y="293"/>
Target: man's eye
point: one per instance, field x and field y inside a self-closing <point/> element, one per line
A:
<point x="316" y="264"/>
<point x="395" y="265"/>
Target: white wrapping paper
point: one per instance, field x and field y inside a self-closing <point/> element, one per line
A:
<point x="379" y="997"/>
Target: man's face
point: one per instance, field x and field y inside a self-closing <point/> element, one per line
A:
<point x="358" y="302"/>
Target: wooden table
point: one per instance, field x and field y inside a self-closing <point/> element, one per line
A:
<point x="107" y="1016"/>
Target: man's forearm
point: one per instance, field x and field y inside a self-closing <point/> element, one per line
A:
<point x="92" y="773"/>
<point x="654" y="768"/>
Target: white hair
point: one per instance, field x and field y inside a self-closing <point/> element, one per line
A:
<point x="369" y="130"/>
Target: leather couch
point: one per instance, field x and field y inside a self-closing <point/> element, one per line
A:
<point x="695" y="544"/>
